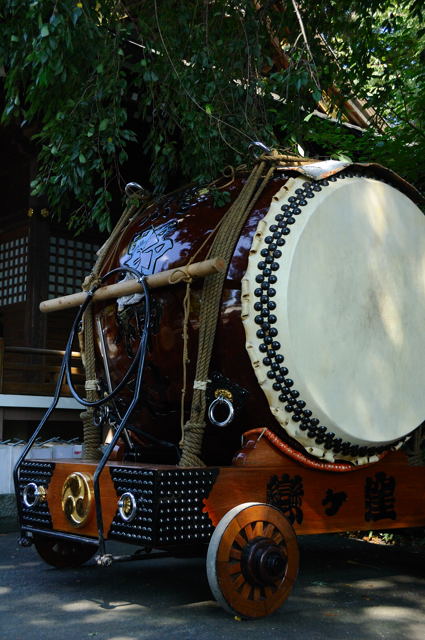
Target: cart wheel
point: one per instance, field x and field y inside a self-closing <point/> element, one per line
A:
<point x="64" y="554"/>
<point x="252" y="560"/>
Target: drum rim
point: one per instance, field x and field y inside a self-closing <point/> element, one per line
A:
<point x="294" y="192"/>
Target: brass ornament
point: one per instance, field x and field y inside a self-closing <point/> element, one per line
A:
<point x="224" y="393"/>
<point x="78" y="498"/>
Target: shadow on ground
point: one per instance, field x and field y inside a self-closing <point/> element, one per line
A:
<point x="345" y="589"/>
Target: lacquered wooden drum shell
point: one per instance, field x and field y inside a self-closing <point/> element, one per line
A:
<point x="175" y="231"/>
<point x="296" y="218"/>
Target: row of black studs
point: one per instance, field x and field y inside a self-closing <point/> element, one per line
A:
<point x="271" y="348"/>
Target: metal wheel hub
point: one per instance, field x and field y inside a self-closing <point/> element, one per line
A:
<point x="263" y="562"/>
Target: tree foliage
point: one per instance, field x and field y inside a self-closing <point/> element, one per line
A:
<point x="192" y="83"/>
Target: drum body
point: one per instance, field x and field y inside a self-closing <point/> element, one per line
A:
<point x="319" y="335"/>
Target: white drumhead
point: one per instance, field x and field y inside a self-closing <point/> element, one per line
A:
<point x="346" y="261"/>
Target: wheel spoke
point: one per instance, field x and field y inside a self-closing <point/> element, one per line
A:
<point x="235" y="554"/>
<point x="246" y="591"/>
<point x="257" y="593"/>
<point x="268" y="530"/>
<point x="240" y="541"/>
<point x="249" y="532"/>
<point x="234" y="568"/>
<point x="269" y="591"/>
<point x="239" y="581"/>
<point x="277" y="537"/>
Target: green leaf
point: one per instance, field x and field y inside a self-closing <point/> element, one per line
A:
<point x="82" y="158"/>
<point x="76" y="15"/>
<point x="44" y="31"/>
<point x="103" y="124"/>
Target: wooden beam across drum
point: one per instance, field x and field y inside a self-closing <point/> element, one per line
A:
<point x="129" y="287"/>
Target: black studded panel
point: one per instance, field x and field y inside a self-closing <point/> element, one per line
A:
<point x="180" y="516"/>
<point x="169" y="505"/>
<point x="40" y="473"/>
<point x="141" y="483"/>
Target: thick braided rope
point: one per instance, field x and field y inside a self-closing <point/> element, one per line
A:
<point x="223" y="246"/>
<point x="92" y="434"/>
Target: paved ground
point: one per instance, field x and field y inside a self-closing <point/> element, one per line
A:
<point x="345" y="589"/>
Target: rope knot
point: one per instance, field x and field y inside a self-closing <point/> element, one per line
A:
<point x="201" y="385"/>
<point x="91" y="385"/>
<point x="180" y="274"/>
<point x="90" y="281"/>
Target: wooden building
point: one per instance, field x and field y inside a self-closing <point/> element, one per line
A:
<point x="39" y="259"/>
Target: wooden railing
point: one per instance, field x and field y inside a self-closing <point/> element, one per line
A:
<point x="31" y="371"/>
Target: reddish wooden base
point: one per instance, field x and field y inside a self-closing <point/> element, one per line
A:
<point x="244" y="511"/>
<point x="387" y="494"/>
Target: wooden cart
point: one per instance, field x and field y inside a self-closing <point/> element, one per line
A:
<point x="322" y="453"/>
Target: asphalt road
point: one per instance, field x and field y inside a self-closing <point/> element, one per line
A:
<point x="345" y="589"/>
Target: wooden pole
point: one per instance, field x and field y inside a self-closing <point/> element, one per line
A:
<point x="130" y="287"/>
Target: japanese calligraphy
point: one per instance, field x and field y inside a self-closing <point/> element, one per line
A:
<point x="149" y="246"/>
<point x="334" y="500"/>
<point x="379" y="497"/>
<point x="286" y="493"/>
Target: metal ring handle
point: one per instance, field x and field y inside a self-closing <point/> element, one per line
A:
<point x="127" y="506"/>
<point x="31" y="495"/>
<point x="134" y="189"/>
<point x="212" y="407"/>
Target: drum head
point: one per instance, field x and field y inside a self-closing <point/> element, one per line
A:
<point x="334" y="312"/>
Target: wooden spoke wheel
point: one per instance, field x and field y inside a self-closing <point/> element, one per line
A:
<point x="64" y="554"/>
<point x="252" y="560"/>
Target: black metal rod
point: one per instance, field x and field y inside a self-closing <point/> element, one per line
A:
<point x="50" y="409"/>
<point x="139" y="361"/>
<point x="142" y="353"/>
<point x="96" y="403"/>
<point x="59" y="534"/>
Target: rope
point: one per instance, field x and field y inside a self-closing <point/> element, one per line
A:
<point x="223" y="245"/>
<point x="91" y="434"/>
<point x="286" y="159"/>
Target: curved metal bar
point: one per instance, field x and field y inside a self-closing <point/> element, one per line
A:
<point x="52" y="407"/>
<point x="141" y="362"/>
<point x="132" y="367"/>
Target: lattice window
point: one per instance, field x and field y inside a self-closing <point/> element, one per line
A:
<point x="13" y="270"/>
<point x="69" y="263"/>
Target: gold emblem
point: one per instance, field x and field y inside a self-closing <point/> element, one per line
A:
<point x="77" y="498"/>
<point x="224" y="393"/>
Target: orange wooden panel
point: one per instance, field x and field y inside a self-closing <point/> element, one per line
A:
<point x="108" y="494"/>
<point x="387" y="494"/>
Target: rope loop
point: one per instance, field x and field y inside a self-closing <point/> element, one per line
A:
<point x="180" y="274"/>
